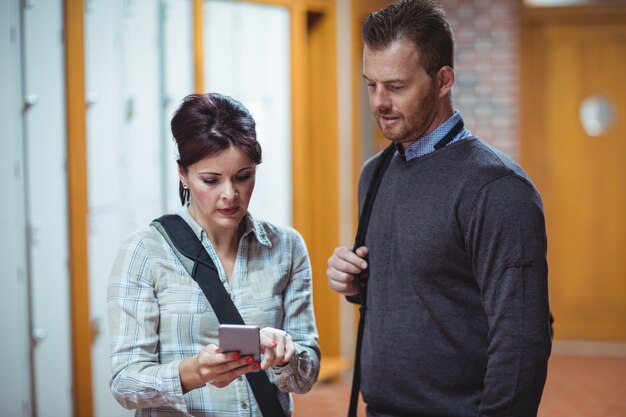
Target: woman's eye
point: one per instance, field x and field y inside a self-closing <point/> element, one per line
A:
<point x="242" y="178"/>
<point x="210" y="181"/>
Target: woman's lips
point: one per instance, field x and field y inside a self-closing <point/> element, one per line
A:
<point x="228" y="211"/>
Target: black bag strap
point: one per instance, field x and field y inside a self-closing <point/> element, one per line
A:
<point x="361" y="280"/>
<point x="187" y="246"/>
<point x="379" y="170"/>
<point x="364" y="219"/>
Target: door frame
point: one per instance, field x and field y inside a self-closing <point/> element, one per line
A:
<point x="74" y="16"/>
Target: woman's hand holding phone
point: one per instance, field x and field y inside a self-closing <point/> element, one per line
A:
<point x="276" y="346"/>
<point x="211" y="366"/>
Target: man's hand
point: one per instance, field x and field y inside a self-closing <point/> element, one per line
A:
<point x="343" y="266"/>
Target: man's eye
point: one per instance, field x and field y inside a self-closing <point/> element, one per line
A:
<point x="395" y="87"/>
<point x="371" y="85"/>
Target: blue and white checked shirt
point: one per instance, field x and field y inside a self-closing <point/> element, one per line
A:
<point x="158" y="315"/>
<point x="426" y="144"/>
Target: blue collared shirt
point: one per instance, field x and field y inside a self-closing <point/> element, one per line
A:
<point x="426" y="144"/>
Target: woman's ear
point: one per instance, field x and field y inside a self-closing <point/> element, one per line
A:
<point x="182" y="174"/>
<point x="445" y="80"/>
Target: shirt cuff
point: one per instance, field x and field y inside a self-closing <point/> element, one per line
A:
<point x="172" y="385"/>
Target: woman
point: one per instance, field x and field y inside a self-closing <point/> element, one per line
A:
<point x="165" y="354"/>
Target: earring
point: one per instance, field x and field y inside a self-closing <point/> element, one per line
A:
<point x="186" y="196"/>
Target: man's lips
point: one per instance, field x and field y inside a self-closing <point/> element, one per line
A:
<point x="387" y="119"/>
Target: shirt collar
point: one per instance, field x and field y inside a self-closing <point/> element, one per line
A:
<point x="426" y="144"/>
<point x="252" y="226"/>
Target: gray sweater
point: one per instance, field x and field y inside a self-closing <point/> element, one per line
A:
<point x="458" y="320"/>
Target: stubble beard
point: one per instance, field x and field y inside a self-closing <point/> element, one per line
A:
<point x="416" y="125"/>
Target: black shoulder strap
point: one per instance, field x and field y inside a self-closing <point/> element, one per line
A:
<point x="204" y="272"/>
<point x="377" y="176"/>
<point x="185" y="243"/>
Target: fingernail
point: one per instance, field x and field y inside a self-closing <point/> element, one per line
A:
<point x="217" y="350"/>
<point x="275" y="343"/>
<point x="236" y="355"/>
<point x="249" y="360"/>
<point x="256" y="365"/>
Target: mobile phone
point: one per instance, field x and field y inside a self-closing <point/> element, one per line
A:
<point x="240" y="338"/>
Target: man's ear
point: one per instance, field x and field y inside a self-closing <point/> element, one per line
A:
<point x="445" y="80"/>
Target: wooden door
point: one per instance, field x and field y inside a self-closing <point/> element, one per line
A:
<point x="568" y="57"/>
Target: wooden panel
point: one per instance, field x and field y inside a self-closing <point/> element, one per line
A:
<point x="322" y="179"/>
<point x="198" y="46"/>
<point x="299" y="119"/>
<point x="77" y="193"/>
<point x="582" y="178"/>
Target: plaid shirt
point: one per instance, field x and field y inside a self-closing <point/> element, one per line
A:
<point x="158" y="315"/>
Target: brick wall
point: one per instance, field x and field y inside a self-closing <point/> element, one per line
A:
<point x="486" y="36"/>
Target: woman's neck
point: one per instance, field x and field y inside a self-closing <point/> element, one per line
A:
<point x="224" y="241"/>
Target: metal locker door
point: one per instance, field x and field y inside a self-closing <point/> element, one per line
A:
<point x="46" y="184"/>
<point x="124" y="130"/>
<point x="14" y="308"/>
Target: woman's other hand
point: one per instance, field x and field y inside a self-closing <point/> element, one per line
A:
<point x="276" y="346"/>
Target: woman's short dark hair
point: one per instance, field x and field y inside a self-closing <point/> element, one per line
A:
<point x="207" y="124"/>
<point x="423" y="22"/>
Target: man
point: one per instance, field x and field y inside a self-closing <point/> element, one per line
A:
<point x="457" y="320"/>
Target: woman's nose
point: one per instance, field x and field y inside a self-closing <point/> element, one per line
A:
<point x="229" y="192"/>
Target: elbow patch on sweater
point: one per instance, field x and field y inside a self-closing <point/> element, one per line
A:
<point x="517" y="263"/>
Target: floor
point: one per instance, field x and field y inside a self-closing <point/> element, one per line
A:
<point x="577" y="386"/>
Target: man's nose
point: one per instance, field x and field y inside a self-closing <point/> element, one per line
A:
<point x="379" y="99"/>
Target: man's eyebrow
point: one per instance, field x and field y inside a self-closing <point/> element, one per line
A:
<point x="396" y="80"/>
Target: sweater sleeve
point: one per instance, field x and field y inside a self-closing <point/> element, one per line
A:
<point x="506" y="242"/>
